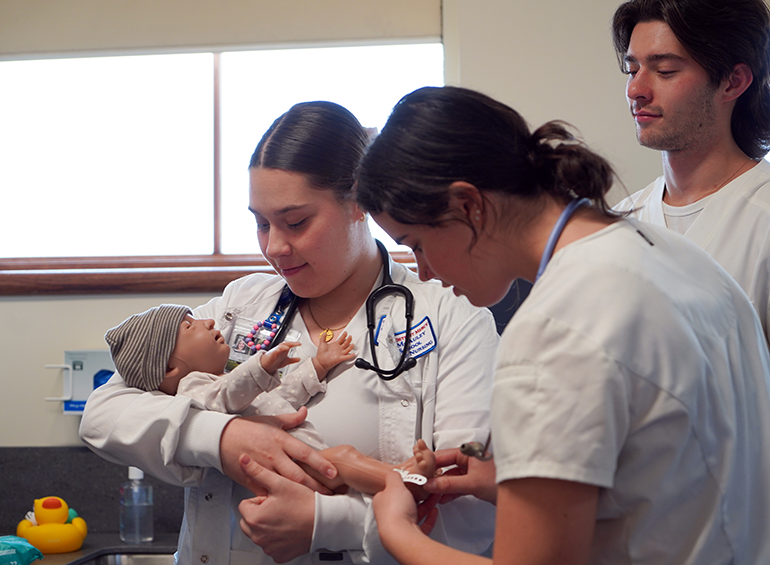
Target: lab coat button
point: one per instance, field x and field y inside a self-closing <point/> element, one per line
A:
<point x="204" y="558"/>
<point x="209" y="496"/>
<point x="404" y="403"/>
<point x="229" y="316"/>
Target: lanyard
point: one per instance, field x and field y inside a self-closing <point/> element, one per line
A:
<point x="270" y="332"/>
<point x="556" y="232"/>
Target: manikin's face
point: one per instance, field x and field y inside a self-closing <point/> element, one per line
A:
<point x="310" y="238"/>
<point x="199" y="347"/>
<point x="448" y="253"/>
<point x="670" y="95"/>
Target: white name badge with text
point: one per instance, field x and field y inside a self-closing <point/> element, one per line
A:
<point x="422" y="338"/>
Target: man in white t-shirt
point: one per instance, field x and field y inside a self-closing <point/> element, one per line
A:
<point x="699" y="91"/>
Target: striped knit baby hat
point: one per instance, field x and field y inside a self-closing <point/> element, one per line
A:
<point x="141" y="345"/>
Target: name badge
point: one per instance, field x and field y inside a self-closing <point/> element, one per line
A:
<point x="422" y="338"/>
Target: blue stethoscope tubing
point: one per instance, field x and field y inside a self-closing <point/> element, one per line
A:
<point x="566" y="214"/>
<point x="475" y="448"/>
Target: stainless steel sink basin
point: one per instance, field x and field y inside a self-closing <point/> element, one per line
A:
<point x="132" y="559"/>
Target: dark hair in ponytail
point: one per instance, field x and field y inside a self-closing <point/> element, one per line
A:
<point x="321" y="140"/>
<point x="437" y="136"/>
<point x="566" y="168"/>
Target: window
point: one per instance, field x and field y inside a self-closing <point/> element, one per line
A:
<point x="105" y="156"/>
<point x="108" y="157"/>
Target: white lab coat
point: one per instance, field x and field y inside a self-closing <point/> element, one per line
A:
<point x="733" y="227"/>
<point x="444" y="399"/>
<point x="638" y="365"/>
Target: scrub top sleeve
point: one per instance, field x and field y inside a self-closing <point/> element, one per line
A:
<point x="130" y="427"/>
<point x="561" y="406"/>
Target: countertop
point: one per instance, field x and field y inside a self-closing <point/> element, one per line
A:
<point x="104" y="544"/>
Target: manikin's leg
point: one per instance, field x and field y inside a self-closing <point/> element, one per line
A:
<point x="366" y="474"/>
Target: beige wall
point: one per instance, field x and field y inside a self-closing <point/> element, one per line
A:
<point x="547" y="59"/>
<point x="550" y="60"/>
<point x="35" y="332"/>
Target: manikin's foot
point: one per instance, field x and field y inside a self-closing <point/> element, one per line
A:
<point x="422" y="463"/>
<point x="424" y="460"/>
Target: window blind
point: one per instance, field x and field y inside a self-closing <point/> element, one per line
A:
<point x="56" y="28"/>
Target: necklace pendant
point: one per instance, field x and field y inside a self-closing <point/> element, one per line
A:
<point x="327" y="335"/>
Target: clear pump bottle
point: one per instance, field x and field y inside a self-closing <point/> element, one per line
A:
<point x="136" y="508"/>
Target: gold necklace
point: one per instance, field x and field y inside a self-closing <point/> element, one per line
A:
<point x="327" y="334"/>
<point x="735" y="174"/>
<point x="738" y="171"/>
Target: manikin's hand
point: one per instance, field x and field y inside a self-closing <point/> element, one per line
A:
<point x="262" y="438"/>
<point x="471" y="476"/>
<point x="278" y="356"/>
<point x="280" y="518"/>
<point x="332" y="353"/>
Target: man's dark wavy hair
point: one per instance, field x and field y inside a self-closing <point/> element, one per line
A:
<point x="718" y="34"/>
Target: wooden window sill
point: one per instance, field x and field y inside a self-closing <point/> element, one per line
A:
<point x="132" y="275"/>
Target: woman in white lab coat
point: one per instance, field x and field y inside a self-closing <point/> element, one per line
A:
<point x="314" y="234"/>
<point x="631" y="413"/>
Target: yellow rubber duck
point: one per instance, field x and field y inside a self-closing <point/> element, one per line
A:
<point x="54" y="528"/>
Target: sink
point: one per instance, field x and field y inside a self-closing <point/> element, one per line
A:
<point x="107" y="549"/>
<point x="132" y="559"/>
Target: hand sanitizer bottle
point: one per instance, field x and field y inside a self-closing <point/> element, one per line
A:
<point x="136" y="508"/>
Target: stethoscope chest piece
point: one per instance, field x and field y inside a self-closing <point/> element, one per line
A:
<point x="477" y="450"/>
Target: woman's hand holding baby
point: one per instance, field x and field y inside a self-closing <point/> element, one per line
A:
<point x="280" y="518"/>
<point x="264" y="440"/>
